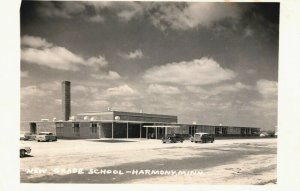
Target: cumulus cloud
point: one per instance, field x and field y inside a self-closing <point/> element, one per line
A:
<point x="229" y="88"/>
<point x="32" y="91"/>
<point x="196" y="72"/>
<point x="96" y="62"/>
<point x="183" y="15"/>
<point x="54" y="57"/>
<point x="35" y="42"/>
<point x="96" y="19"/>
<point x="190" y="15"/>
<point x="162" y="89"/>
<point x="136" y="54"/>
<point x="38" y="51"/>
<point x="267" y="88"/>
<point x="111" y="75"/>
<point x="79" y="88"/>
<point x="122" y="90"/>
<point x="267" y="105"/>
<point x="217" y="90"/>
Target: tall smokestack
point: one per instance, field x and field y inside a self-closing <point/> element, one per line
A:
<point x="66" y="100"/>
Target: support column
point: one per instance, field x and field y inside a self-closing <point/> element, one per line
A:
<point x="127" y="130"/>
<point x="147" y="133"/>
<point x="140" y="130"/>
<point x="112" y="130"/>
<point x="99" y="130"/>
<point x="155" y="132"/>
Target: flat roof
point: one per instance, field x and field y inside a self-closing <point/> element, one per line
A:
<point x="124" y="113"/>
<point x="159" y="124"/>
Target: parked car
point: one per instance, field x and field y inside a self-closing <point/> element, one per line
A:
<point x="186" y="136"/>
<point x="27" y="136"/>
<point x="192" y="138"/>
<point x="46" y="136"/>
<point x="203" y="138"/>
<point x="173" y="138"/>
<point x="24" y="150"/>
<point x="22" y="137"/>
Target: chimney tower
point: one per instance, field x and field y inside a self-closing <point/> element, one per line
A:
<point x="66" y="100"/>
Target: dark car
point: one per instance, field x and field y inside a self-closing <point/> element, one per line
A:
<point x="27" y="136"/>
<point x="173" y="138"/>
<point x="24" y="150"/>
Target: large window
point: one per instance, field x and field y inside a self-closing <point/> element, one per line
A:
<point x="94" y="128"/>
<point x="59" y="128"/>
<point x="76" y="129"/>
<point x="224" y="131"/>
<point x="247" y="131"/>
<point x="217" y="130"/>
<point x="192" y="130"/>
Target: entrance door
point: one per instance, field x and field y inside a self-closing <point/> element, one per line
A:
<point x="33" y="128"/>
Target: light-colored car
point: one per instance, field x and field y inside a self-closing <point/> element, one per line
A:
<point x="46" y="136"/>
<point x="24" y="150"/>
<point x="203" y="138"/>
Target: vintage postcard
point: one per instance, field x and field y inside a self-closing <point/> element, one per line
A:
<point x="149" y="92"/>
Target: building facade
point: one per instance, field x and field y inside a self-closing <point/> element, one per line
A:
<point x="117" y="124"/>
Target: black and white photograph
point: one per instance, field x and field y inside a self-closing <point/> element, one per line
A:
<point x="149" y="92"/>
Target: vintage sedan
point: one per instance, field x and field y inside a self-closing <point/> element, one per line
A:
<point x="46" y="136"/>
<point x="24" y="150"/>
<point x="203" y="138"/>
<point x="173" y="138"/>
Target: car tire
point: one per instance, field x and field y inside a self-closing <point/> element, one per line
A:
<point x="22" y="153"/>
<point x="38" y="140"/>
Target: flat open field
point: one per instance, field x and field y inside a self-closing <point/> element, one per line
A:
<point x="232" y="161"/>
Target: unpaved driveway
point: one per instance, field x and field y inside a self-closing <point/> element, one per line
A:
<point x="236" y="161"/>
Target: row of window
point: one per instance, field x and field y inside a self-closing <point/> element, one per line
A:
<point x="76" y="128"/>
<point x="192" y="129"/>
<point x="221" y="131"/>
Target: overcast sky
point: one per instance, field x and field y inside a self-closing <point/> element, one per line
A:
<point x="210" y="63"/>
